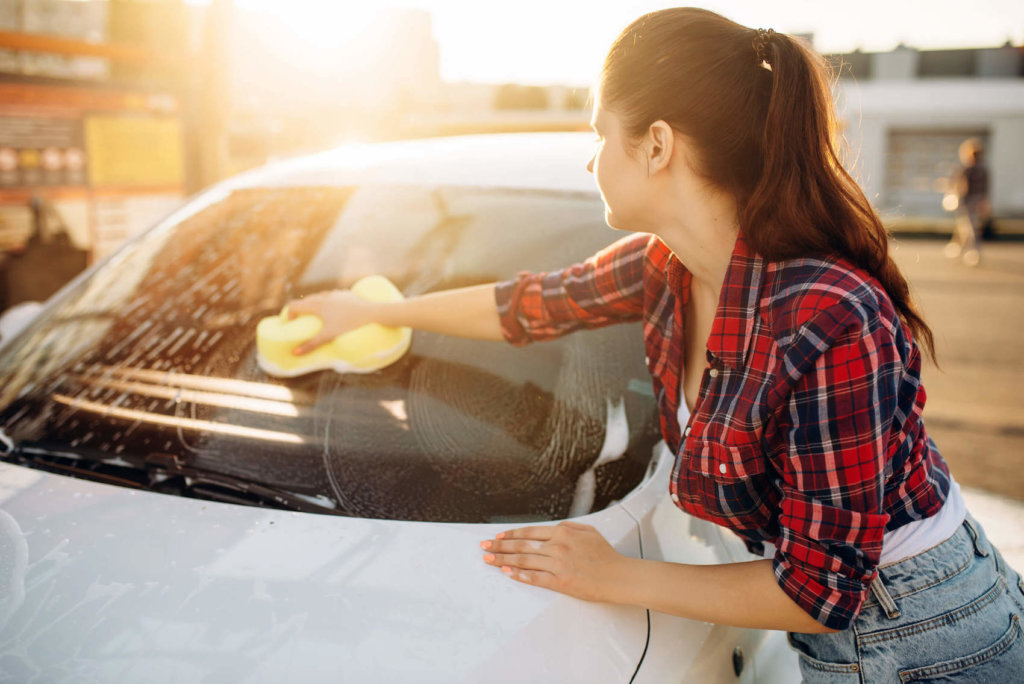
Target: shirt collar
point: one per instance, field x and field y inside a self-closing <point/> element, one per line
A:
<point x="733" y="326"/>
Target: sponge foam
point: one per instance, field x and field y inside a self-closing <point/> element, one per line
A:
<point x="362" y="350"/>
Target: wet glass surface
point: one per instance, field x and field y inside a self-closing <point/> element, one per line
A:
<point x="154" y="354"/>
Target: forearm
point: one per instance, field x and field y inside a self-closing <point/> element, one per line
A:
<point x="576" y="560"/>
<point x="739" y="594"/>
<point x="464" y="312"/>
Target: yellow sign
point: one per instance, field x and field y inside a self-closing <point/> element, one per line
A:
<point x="134" y="151"/>
<point x="30" y="158"/>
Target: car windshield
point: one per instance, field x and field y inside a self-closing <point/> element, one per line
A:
<point x="153" y="353"/>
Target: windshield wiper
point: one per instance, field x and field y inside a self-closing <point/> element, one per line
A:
<point x="207" y="484"/>
<point x="158" y="472"/>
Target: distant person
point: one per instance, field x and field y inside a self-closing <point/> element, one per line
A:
<point x="970" y="186"/>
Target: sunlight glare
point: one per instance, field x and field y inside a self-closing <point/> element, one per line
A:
<point x="320" y="24"/>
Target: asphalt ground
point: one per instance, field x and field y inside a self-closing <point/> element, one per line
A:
<point x="975" y="406"/>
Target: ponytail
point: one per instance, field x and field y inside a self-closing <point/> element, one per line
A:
<point x="805" y="201"/>
<point x="758" y="108"/>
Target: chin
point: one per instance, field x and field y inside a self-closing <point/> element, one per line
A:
<point x="616" y="223"/>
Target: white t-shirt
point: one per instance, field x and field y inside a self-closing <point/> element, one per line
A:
<point x="919" y="535"/>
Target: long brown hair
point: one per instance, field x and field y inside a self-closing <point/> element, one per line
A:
<point x="764" y="131"/>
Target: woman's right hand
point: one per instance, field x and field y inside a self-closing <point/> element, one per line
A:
<point x="340" y="310"/>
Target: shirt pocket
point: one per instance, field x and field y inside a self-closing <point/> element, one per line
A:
<point x="725" y="462"/>
<point x="726" y="483"/>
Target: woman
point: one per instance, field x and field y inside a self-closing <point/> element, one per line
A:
<point x="781" y="342"/>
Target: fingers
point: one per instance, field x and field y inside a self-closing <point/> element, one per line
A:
<point x="539" y="532"/>
<point x="520" y="561"/>
<point x="514" y="546"/>
<point x="301" y="307"/>
<point x="311" y="344"/>
<point x="524" y="554"/>
<point x="519" y="555"/>
<point x="525" y="547"/>
<point x="519" y="551"/>
<point x="310" y="304"/>
<point x="538" y="578"/>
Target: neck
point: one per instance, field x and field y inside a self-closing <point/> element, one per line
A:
<point x="705" y="241"/>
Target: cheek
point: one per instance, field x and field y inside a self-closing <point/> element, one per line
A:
<point x="613" y="177"/>
<point x="603" y="170"/>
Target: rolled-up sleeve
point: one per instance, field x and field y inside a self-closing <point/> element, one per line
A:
<point x="606" y="288"/>
<point x="844" y="372"/>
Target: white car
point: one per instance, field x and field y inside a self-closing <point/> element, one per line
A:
<point x="170" y="513"/>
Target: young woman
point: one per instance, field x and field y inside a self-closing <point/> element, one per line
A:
<point x="783" y="348"/>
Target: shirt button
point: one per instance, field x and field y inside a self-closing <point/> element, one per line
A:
<point x="713" y="372"/>
<point x="686" y="432"/>
<point x="675" y="498"/>
<point x="722" y="468"/>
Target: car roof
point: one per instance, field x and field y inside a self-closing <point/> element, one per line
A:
<point x="541" y="161"/>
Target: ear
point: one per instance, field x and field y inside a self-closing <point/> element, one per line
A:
<point x="659" y="145"/>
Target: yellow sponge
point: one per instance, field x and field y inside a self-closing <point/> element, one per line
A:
<point x="362" y="350"/>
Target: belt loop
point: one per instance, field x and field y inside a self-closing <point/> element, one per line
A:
<point x="884" y="599"/>
<point x="975" y="537"/>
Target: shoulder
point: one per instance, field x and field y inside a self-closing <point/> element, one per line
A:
<point x="631" y="259"/>
<point x="822" y="298"/>
<point x="637" y="248"/>
<point x="641" y="248"/>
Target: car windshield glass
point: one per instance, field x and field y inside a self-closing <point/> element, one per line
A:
<point x="154" y="354"/>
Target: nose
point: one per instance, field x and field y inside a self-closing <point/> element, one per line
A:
<point x="590" y="164"/>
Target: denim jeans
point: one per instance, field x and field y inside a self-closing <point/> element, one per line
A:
<point x="949" y="614"/>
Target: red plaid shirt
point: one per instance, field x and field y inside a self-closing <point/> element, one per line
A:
<point x="807" y="431"/>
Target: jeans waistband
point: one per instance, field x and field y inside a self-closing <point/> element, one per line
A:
<point x="930" y="567"/>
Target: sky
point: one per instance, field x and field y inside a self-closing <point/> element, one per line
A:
<point x="564" y="41"/>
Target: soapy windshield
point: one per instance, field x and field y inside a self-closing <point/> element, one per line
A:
<point x="153" y="354"/>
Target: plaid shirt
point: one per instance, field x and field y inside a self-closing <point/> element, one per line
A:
<point x="807" y="431"/>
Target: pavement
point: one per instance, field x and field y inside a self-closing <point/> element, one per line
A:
<point x="975" y="406"/>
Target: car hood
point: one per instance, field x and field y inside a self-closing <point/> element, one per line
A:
<point x="106" y="584"/>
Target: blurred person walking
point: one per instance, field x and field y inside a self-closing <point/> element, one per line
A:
<point x="970" y="186"/>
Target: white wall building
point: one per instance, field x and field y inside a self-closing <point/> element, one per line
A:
<point x="907" y="111"/>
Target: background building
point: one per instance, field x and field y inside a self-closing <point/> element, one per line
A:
<point x="113" y="111"/>
<point x="94" y="112"/>
<point x="907" y="111"/>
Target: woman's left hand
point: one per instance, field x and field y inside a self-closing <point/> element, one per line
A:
<point x="569" y="558"/>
